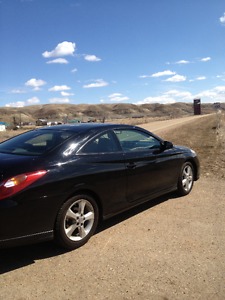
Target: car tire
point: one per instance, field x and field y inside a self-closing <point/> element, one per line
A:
<point x="186" y="179"/>
<point x="76" y="222"/>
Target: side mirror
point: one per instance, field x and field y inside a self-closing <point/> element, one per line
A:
<point x="166" y="145"/>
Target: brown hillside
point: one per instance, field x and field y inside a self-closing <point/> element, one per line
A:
<point x="60" y="112"/>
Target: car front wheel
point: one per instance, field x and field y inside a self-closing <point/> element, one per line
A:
<point x="76" y="222"/>
<point x="186" y="179"/>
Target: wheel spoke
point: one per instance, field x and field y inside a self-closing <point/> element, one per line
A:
<point x="188" y="171"/>
<point x="70" y="214"/>
<point x="82" y="204"/>
<point x="184" y="182"/>
<point x="89" y="216"/>
<point x="82" y="232"/>
<point x="70" y="230"/>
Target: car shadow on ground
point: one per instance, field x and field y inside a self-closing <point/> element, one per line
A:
<point x="19" y="257"/>
<point x="134" y="211"/>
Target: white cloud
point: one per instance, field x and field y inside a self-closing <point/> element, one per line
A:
<point x="221" y="77"/>
<point x="220" y="89"/>
<point x="198" y="78"/>
<point x="114" y="95"/>
<point x="92" y="58"/>
<point x="33" y="100"/>
<point x="216" y="94"/>
<point x="222" y="19"/>
<point x="183" y="62"/>
<point x="145" y="76"/>
<point x="180" y="95"/>
<point x="164" y="99"/>
<point x="176" y="78"/>
<point x="59" y="88"/>
<point x="35" y="83"/>
<point x="59" y="100"/>
<point x="207" y="95"/>
<point x="205" y="59"/>
<point x="169" y="97"/>
<point x="201" y="78"/>
<point x="74" y="70"/>
<point x="96" y="84"/>
<point x="118" y="97"/>
<point x="164" y="73"/>
<point x="65" y="94"/>
<point x="18" y="91"/>
<point x="58" y="61"/>
<point x="16" y="104"/>
<point x="62" y="49"/>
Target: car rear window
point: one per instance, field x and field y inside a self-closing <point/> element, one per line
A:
<point x="34" y="142"/>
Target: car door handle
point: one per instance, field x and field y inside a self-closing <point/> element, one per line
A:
<point x="131" y="165"/>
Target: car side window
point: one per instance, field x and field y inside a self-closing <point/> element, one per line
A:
<point x="135" y="140"/>
<point x="104" y="143"/>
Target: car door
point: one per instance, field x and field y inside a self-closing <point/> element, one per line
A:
<point x="148" y="167"/>
<point x="104" y="171"/>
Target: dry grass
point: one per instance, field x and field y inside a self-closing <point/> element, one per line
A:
<point x="207" y="137"/>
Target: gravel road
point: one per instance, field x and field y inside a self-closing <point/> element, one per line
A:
<point x="158" y="126"/>
<point x="170" y="248"/>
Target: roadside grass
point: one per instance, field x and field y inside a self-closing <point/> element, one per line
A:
<point x="207" y="137"/>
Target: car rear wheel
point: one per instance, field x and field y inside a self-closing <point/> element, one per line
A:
<point x="76" y="222"/>
<point x="186" y="179"/>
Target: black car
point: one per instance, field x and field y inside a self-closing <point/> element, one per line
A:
<point x="58" y="182"/>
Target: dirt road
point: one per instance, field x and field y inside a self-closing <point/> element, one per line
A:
<point x="170" y="248"/>
<point x="158" y="126"/>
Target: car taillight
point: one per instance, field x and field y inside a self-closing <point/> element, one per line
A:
<point x="17" y="183"/>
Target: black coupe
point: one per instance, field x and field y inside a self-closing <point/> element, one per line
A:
<point x="58" y="182"/>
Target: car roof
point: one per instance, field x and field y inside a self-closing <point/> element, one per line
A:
<point x="82" y="127"/>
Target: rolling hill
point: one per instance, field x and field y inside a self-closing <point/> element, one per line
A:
<point x="85" y="112"/>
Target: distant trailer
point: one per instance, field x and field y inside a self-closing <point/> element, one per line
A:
<point x="197" y="106"/>
<point x="2" y="128"/>
<point x="217" y="105"/>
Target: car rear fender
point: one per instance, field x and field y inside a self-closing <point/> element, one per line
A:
<point x="92" y="194"/>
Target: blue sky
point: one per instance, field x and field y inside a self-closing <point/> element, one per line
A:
<point x="111" y="51"/>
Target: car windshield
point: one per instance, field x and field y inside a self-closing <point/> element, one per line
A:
<point x="34" y="142"/>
